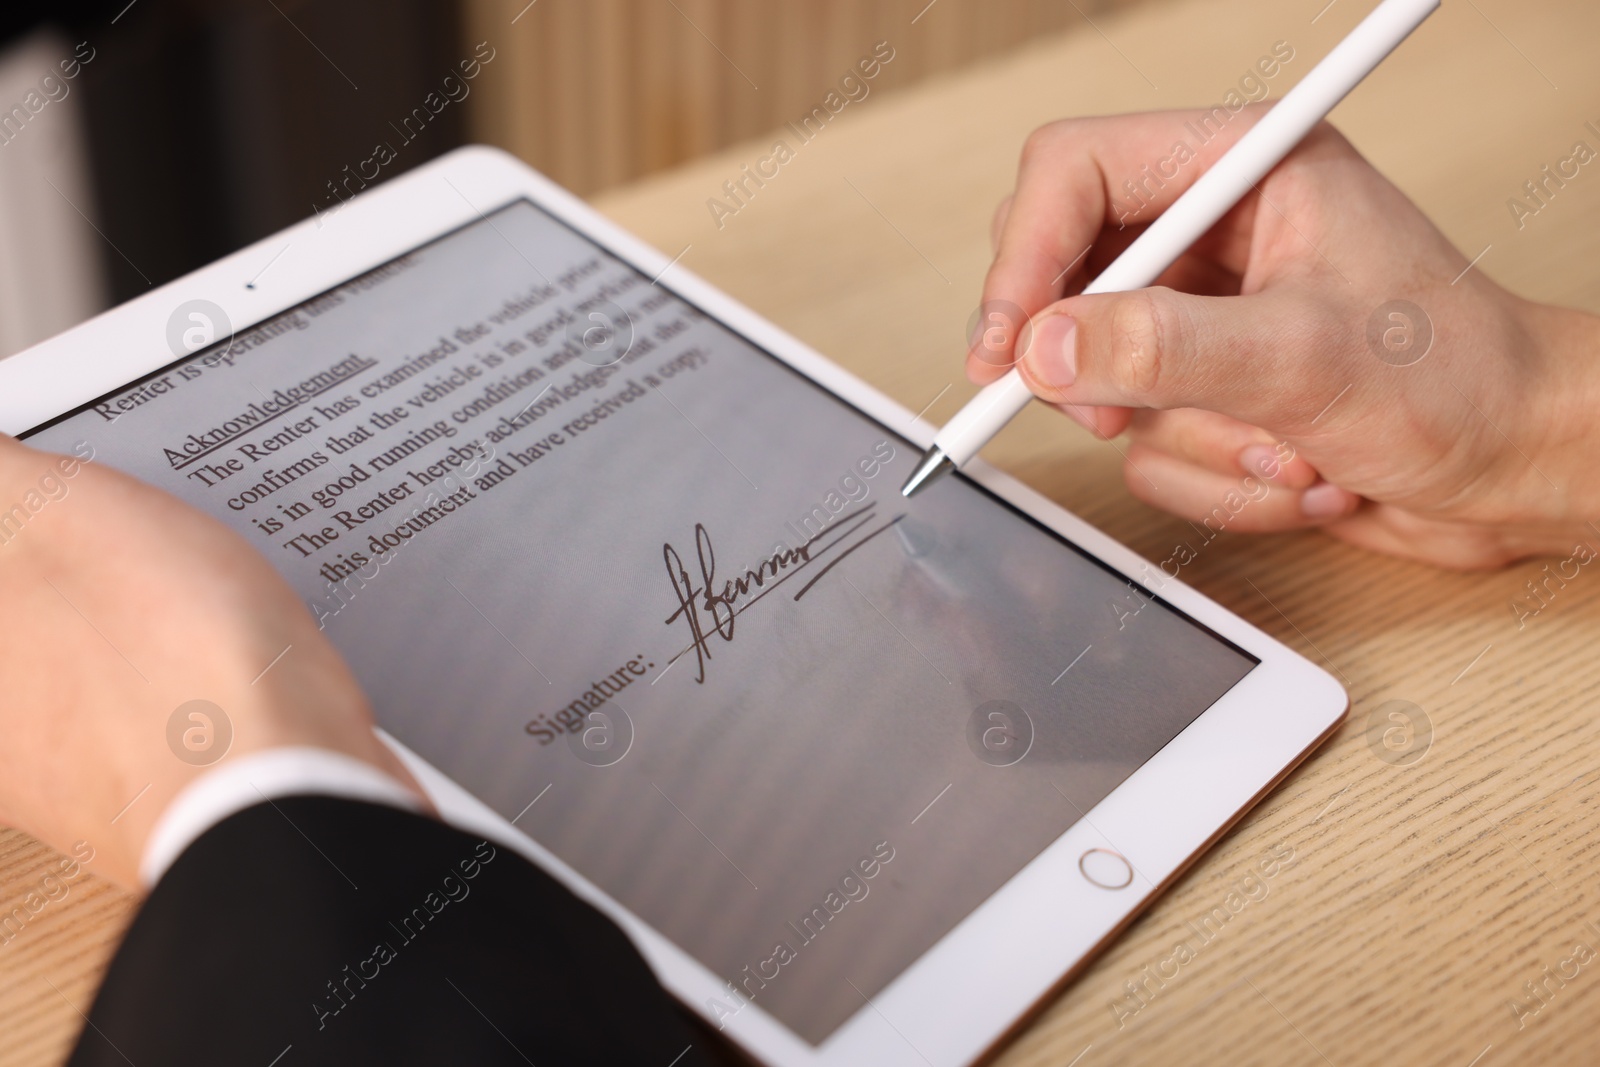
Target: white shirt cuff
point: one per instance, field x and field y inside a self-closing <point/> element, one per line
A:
<point x="234" y="785"/>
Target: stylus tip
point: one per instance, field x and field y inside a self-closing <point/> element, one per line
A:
<point x="934" y="463"/>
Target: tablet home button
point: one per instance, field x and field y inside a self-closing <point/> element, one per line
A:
<point x="1106" y="869"/>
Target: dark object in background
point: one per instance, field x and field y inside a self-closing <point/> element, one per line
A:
<point x="212" y="123"/>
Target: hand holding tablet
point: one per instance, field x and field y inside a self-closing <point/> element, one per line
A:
<point x="101" y="723"/>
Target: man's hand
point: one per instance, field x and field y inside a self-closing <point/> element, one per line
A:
<point x="123" y="604"/>
<point x="1324" y="336"/>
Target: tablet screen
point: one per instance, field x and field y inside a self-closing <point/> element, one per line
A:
<point x="653" y="595"/>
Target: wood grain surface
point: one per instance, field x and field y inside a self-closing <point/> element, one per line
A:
<point x="1433" y="906"/>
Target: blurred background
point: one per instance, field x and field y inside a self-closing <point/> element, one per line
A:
<point x="189" y="128"/>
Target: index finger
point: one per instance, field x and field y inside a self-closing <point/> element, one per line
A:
<point x="1077" y="178"/>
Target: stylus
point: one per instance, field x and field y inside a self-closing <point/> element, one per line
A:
<point x="1195" y="212"/>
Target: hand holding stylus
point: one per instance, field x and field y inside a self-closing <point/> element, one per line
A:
<point x="1456" y="428"/>
<point x="1204" y="200"/>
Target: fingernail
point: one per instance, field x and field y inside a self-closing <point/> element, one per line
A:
<point x="1053" y="356"/>
<point x="1261" y="461"/>
<point x="1324" y="501"/>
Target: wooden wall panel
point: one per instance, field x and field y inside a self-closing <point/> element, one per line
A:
<point x="599" y="92"/>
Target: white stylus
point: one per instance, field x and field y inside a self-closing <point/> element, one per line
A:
<point x="1212" y="195"/>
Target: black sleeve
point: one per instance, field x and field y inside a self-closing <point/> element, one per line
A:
<point x="311" y="930"/>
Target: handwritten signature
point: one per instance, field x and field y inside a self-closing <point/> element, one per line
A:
<point x="708" y="609"/>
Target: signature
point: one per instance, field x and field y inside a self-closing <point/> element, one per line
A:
<point x="708" y="609"/>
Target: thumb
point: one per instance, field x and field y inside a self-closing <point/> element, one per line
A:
<point x="1263" y="358"/>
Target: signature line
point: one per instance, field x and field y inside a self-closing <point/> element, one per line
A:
<point x="864" y="516"/>
<point x="845" y="554"/>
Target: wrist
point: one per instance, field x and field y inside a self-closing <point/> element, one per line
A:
<point x="316" y="708"/>
<point x="1561" y="404"/>
<point x="264" y="776"/>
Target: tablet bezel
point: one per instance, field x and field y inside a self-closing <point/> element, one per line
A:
<point x="982" y="977"/>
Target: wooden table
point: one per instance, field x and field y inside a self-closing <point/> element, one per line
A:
<point x="1421" y="899"/>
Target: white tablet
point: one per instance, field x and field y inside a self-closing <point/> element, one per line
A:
<point x="625" y="571"/>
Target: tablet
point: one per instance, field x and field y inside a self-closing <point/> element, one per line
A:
<point x="626" y="574"/>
